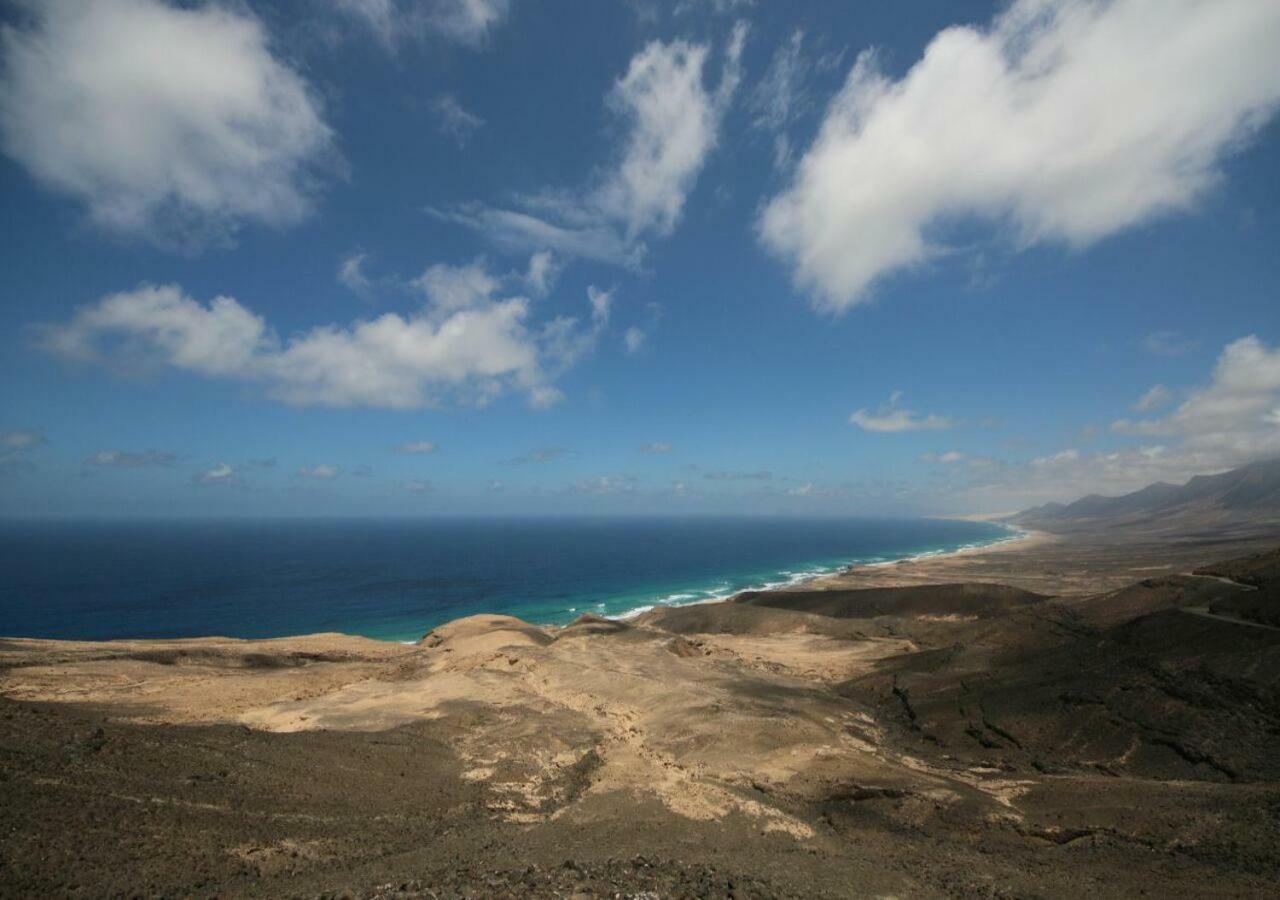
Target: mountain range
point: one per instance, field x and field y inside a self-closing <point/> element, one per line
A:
<point x="1246" y="498"/>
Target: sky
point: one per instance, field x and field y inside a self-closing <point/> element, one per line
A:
<point x="498" y="257"/>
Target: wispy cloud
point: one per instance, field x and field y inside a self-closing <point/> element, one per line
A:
<point x="453" y="121"/>
<point x="1155" y="398"/>
<point x="672" y="122"/>
<point x="351" y="273"/>
<point x="418" y="447"/>
<point x="123" y="459"/>
<point x="320" y="471"/>
<point x="393" y="22"/>
<point x="893" y="418"/>
<point x="15" y="441"/>
<point x="633" y="340"/>
<point x="217" y="474"/>
<point x="1168" y="343"/>
<point x="655" y="447"/>
<point x="540" y="455"/>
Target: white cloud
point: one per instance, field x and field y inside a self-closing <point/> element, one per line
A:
<point x="464" y="346"/>
<point x="418" y="447"/>
<point x="948" y="458"/>
<point x="633" y="339"/>
<point x="120" y="459"/>
<point x="320" y="471"/>
<point x="672" y="122"/>
<point x="656" y="447"/>
<point x="1066" y="121"/>
<point x="392" y="21"/>
<point x="520" y="231"/>
<point x="893" y="418"/>
<point x="565" y="340"/>
<point x="175" y="123"/>
<point x="453" y="121"/>
<point x="351" y="273"/>
<point x="220" y="473"/>
<point x="450" y="288"/>
<point x="1232" y="420"/>
<point x="542" y="273"/>
<point x="417" y="486"/>
<point x="782" y="95"/>
<point x="1156" y="397"/>
<point x="801" y="490"/>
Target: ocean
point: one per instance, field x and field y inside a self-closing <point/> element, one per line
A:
<point x="397" y="579"/>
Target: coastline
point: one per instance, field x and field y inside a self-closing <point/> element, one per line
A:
<point x="816" y="579"/>
<point x="889" y="736"/>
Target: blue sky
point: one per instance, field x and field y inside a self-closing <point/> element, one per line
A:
<point x="349" y="257"/>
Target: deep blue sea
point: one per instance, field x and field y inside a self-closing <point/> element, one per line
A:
<point x="396" y="579"/>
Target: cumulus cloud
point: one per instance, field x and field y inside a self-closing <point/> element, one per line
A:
<point x="1233" y="419"/>
<point x="671" y="123"/>
<point x="465" y="22"/>
<point x="418" y="447"/>
<point x="451" y="288"/>
<point x="172" y="122"/>
<point x="464" y="346"/>
<point x="453" y="121"/>
<point x="121" y="459"/>
<point x="1063" y="121"/>
<point x="893" y="418"/>
<point x="1229" y="421"/>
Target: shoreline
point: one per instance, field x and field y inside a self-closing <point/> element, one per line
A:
<point x="812" y="579"/>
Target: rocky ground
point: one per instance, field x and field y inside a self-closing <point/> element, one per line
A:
<point x="963" y="739"/>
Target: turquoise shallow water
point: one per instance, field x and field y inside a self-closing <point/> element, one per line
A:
<point x="395" y="580"/>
